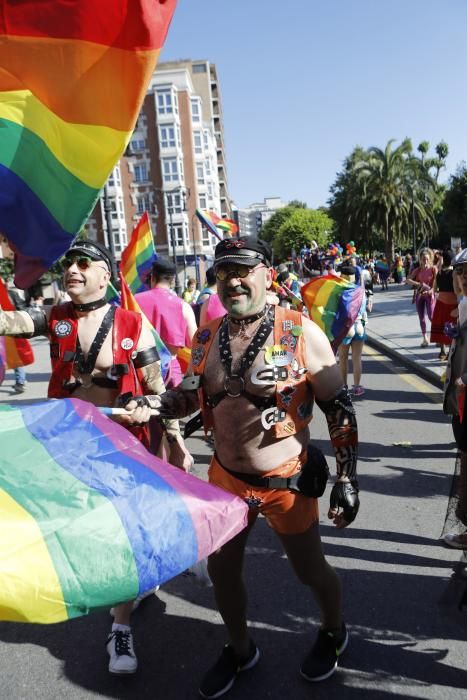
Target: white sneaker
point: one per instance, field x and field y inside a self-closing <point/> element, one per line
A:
<point x="122" y="656"/>
<point x="456" y="541"/>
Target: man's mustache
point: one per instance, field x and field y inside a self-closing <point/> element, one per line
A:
<point x="238" y="290"/>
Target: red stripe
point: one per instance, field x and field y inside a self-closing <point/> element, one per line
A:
<point x="126" y="24"/>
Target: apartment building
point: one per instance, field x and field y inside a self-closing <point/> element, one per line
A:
<point x="174" y="164"/>
<point x="251" y="219"/>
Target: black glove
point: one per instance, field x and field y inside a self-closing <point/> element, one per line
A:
<point x="125" y="399"/>
<point x="344" y="495"/>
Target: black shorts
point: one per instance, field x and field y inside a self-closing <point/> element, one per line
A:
<point x="460" y="432"/>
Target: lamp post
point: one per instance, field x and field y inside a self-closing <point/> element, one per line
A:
<point x="197" y="275"/>
<point x="110" y="235"/>
<point x="169" y="208"/>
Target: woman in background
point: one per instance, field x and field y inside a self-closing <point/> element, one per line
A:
<point x="423" y="279"/>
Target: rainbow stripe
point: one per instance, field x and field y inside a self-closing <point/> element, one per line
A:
<point x="129" y="302"/>
<point x="227" y="226"/>
<point x="90" y="518"/>
<point x="209" y="220"/>
<point x="184" y="358"/>
<point x="138" y="256"/>
<point x="73" y="75"/>
<point x="333" y="304"/>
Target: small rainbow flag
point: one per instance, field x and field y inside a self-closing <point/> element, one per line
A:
<point x="184" y="358"/>
<point x="89" y="518"/>
<point x="129" y="302"/>
<point x="333" y="304"/>
<point x="215" y="224"/>
<point x="73" y="76"/>
<point x="17" y="351"/>
<point x="138" y="256"/>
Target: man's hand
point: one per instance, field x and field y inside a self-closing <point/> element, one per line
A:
<point x="178" y="454"/>
<point x="344" y="495"/>
<point x="139" y="411"/>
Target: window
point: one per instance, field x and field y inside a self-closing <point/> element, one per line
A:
<point x="138" y="144"/>
<point x="207" y="167"/>
<point x="141" y="173"/>
<point x="196" y="110"/>
<point x="206" y="138"/>
<point x="202" y="202"/>
<point x="170" y="170"/>
<point x="174" y="203"/>
<point x="167" y="136"/>
<point x="179" y="231"/>
<point x="143" y="204"/>
<point x="210" y="190"/>
<point x="200" y="173"/>
<point x="197" y="142"/>
<point x="114" y="177"/>
<point x="166" y="102"/>
<point x="199" y="68"/>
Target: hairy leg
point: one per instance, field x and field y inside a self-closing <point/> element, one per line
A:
<point x="344" y="361"/>
<point x="307" y="559"/>
<point x="357" y="347"/>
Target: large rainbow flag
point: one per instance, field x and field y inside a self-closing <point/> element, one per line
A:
<point x="138" y="256"/>
<point x="73" y="75"/>
<point x="89" y="518"/>
<point x="333" y="304"/>
<point x="129" y="302"/>
<point x="15" y="352"/>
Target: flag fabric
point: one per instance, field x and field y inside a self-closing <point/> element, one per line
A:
<point x="184" y="358"/>
<point x="129" y="302"/>
<point x="89" y="518"/>
<point x="73" y="76"/>
<point x="216" y="225"/>
<point x="17" y="351"/>
<point x="138" y="256"/>
<point x="333" y="304"/>
<point x="2" y="359"/>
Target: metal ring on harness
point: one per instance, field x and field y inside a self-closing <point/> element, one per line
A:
<point x="234" y="385"/>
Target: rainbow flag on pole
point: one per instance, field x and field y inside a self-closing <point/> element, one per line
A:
<point x="216" y="225"/>
<point x="333" y="304"/>
<point x="73" y="75"/>
<point x="89" y="518"/>
<point x="138" y="256"/>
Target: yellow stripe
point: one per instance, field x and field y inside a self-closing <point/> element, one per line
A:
<point x="89" y="152"/>
<point x="26" y="568"/>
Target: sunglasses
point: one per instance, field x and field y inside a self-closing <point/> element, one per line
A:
<point x="241" y="271"/>
<point x="83" y="262"/>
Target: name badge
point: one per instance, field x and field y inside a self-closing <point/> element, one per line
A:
<point x="277" y="355"/>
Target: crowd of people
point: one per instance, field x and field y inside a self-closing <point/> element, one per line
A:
<point x="259" y="363"/>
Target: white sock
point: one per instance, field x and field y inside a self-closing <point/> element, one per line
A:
<point x="116" y="627"/>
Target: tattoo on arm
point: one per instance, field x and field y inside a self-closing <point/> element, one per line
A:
<point x="343" y="431"/>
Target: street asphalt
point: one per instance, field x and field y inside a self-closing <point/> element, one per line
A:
<point x="408" y="638"/>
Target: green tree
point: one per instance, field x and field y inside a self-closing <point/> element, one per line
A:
<point x="271" y="228"/>
<point x="300" y="228"/>
<point x="453" y="218"/>
<point x="423" y="149"/>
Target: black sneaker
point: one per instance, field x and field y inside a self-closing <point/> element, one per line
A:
<point x="321" y="660"/>
<point x="19" y="388"/>
<point x="221" y="677"/>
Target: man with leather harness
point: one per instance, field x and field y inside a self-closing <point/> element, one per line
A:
<point x="101" y="354"/>
<point x="255" y="375"/>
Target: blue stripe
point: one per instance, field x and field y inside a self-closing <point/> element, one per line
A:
<point x="156" y="520"/>
<point x="27" y="222"/>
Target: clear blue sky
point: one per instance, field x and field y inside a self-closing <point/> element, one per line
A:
<point x="304" y="81"/>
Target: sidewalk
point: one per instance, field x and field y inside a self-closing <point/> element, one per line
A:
<point x="393" y="329"/>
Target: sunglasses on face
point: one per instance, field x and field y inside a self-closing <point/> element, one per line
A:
<point x="83" y="262"/>
<point x="241" y="271"/>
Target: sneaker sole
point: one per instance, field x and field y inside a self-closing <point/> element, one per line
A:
<point x="340" y="651"/>
<point x="226" y="688"/>
<point x="118" y="672"/>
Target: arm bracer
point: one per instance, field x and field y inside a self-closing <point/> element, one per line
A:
<point x="342" y="426"/>
<point x="24" y="324"/>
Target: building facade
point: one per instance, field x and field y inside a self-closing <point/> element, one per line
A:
<point x="251" y="219"/>
<point x="175" y="163"/>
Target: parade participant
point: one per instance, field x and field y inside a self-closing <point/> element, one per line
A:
<point x="423" y="279"/>
<point x="259" y="370"/>
<point x="210" y="305"/>
<point x="191" y="294"/>
<point x="172" y="317"/>
<point x="445" y="310"/>
<point x="99" y="353"/>
<point x="454" y="402"/>
<point x="354" y="339"/>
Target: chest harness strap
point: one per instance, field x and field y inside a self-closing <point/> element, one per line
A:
<point x="234" y="382"/>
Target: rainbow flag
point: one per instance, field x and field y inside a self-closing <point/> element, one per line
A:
<point x="73" y="76"/>
<point x="17" y="351"/>
<point x="333" y="304"/>
<point x="215" y="224"/>
<point x="128" y="301"/>
<point x="184" y="358"/>
<point x="89" y="518"/>
<point x="138" y="256"/>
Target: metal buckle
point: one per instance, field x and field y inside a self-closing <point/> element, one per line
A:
<point x="272" y="415"/>
<point x="269" y="375"/>
<point x="234" y="386"/>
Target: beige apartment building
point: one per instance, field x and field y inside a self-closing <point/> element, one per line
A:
<point x="175" y="163"/>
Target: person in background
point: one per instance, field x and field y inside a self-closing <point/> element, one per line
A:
<point x="191" y="294"/>
<point x="172" y="317"/>
<point x="397" y="271"/>
<point x="19" y="302"/>
<point x="354" y="339"/>
<point x="423" y="279"/>
<point x="445" y="310"/>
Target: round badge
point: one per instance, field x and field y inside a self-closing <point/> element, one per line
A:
<point x="63" y="328"/>
<point x="127" y="343"/>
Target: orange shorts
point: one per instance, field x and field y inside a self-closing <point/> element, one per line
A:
<point x="287" y="512"/>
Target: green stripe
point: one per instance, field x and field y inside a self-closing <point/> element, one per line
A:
<point x="86" y="540"/>
<point x="67" y="198"/>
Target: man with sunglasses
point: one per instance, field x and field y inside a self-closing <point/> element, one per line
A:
<point x="255" y="374"/>
<point x="101" y="354"/>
